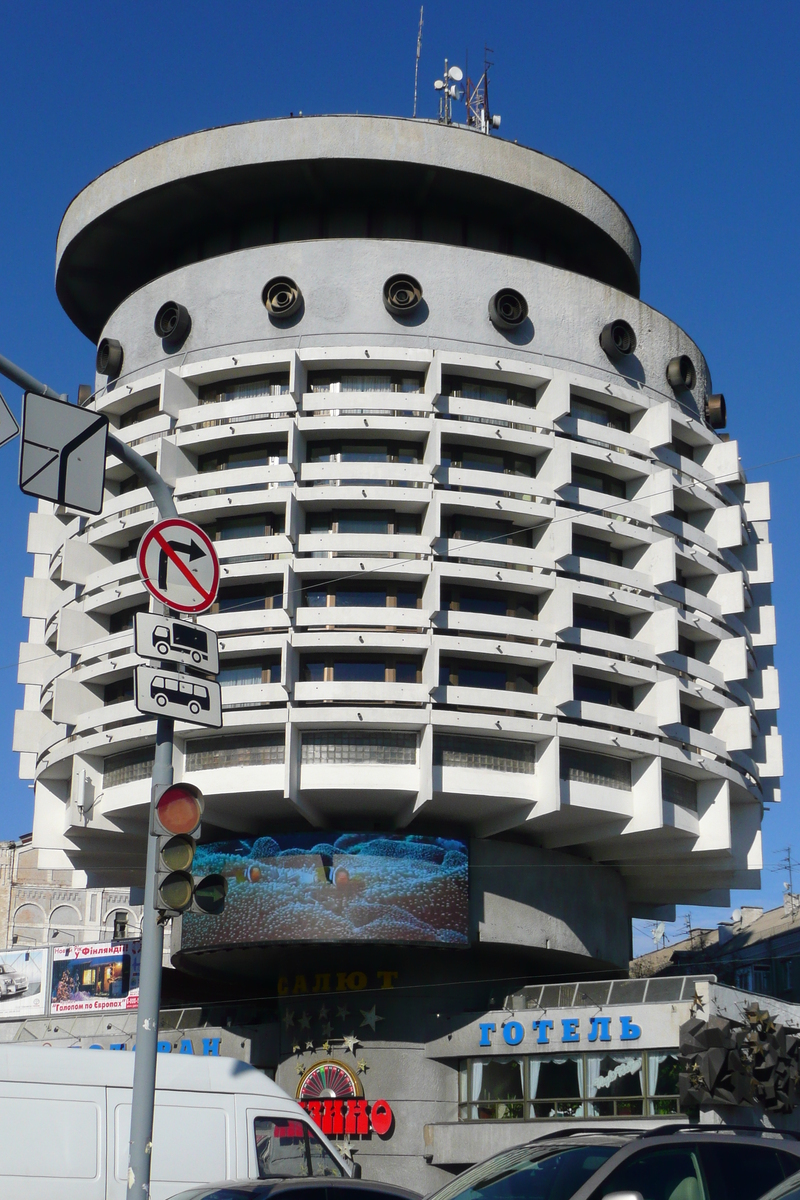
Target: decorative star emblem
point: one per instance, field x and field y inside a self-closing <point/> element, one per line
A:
<point x="350" y="1042"/>
<point x="343" y="1012"/>
<point x="370" y="1017"/>
<point x="288" y="1018"/>
<point x="305" y="1020"/>
<point x="345" y="1149"/>
<point x="323" y="1013"/>
<point x="327" y="1029"/>
<point x="300" y="1068"/>
<point x="310" y="1046"/>
<point x="326" y="1046"/>
<point x="362" y="1066"/>
<point x="296" y="1048"/>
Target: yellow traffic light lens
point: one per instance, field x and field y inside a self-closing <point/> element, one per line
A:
<point x="177" y="853"/>
<point x="180" y="809"/>
<point x="209" y="894"/>
<point x="176" y="891"/>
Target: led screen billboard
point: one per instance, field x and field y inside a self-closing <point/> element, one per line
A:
<point x="23" y="986"/>
<point x="346" y="887"/>
<point x="95" y="978"/>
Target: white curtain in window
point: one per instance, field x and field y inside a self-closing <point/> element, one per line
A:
<point x="614" y="1067"/>
<point x="475" y="1084"/>
<point x="366" y="383"/>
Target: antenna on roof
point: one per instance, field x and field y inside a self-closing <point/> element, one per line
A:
<point x="657" y="932"/>
<point x="477" y="99"/>
<point x="416" y="66"/>
<point x="448" y="92"/>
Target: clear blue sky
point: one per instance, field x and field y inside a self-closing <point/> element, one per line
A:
<point x="686" y="113"/>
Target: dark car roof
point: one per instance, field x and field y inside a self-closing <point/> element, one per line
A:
<point x="251" y="1189"/>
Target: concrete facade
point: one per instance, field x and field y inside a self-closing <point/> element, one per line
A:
<point x="551" y="559"/>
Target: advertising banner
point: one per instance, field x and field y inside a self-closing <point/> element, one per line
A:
<point x="22" y="983"/>
<point x="345" y="887"/>
<point x="95" y="978"/>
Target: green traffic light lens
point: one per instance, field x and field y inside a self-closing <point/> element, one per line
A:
<point x="176" y="891"/>
<point x="209" y="894"/>
<point x="177" y="853"/>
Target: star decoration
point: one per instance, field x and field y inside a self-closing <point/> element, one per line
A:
<point x="296" y="1048"/>
<point x="323" y="1013"/>
<point x="309" y="1046"/>
<point x="345" y="1149"/>
<point x="343" y="1012"/>
<point x="326" y="1046"/>
<point x="327" y="1029"/>
<point x="350" y="1042"/>
<point x="305" y="1020"/>
<point x="362" y="1066"/>
<point x="300" y="1068"/>
<point x="288" y="1018"/>
<point x="370" y="1017"/>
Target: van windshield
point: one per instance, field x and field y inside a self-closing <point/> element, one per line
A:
<point x="288" y="1148"/>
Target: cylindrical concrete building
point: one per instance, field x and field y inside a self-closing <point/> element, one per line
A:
<point x="495" y="620"/>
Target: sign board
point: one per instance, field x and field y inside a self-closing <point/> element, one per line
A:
<point x="95" y="978"/>
<point x="63" y="453"/>
<point x="8" y="425"/>
<point x="23" y="986"/>
<point x="175" y="641"/>
<point x="179" y="565"/>
<point x="184" y="697"/>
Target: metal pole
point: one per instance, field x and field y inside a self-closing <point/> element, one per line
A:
<point x="144" y="1068"/>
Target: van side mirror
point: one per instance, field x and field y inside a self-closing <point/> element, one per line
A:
<point x="355" y="1170"/>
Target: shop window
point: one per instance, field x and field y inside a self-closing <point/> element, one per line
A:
<point x="242" y="389"/>
<point x="363" y="451"/>
<point x="484" y="754"/>
<point x="663" y="1071"/>
<point x="603" y="620"/>
<point x="588" y="689"/>
<point x="493" y="393"/>
<point x="598" y="414"/>
<point x="595" y="549"/>
<point x="379" y="746"/>
<point x="615" y="1085"/>
<point x="468" y="674"/>
<point x="128" y="767"/>
<point x="584" y="476"/>
<point x="250" y="750"/>
<point x="556" y="1086"/>
<point x="584" y="766"/>
<point x="365" y="381"/>
<point x="495" y="1089"/>
<point x="677" y="789"/>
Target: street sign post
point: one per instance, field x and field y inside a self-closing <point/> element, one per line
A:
<point x="179" y="565"/>
<point x="8" y="424"/>
<point x="182" y="697"/>
<point x="63" y="453"/>
<point x="173" y="641"/>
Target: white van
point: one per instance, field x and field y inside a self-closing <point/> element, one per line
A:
<point x="65" y="1125"/>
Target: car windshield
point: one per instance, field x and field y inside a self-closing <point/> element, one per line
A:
<point x="544" y="1172"/>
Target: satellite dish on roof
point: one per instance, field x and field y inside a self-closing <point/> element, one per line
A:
<point x="439" y="84"/>
<point x="657" y="932"/>
<point x="736" y="915"/>
<point x="456" y="74"/>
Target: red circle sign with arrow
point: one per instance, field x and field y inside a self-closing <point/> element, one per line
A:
<point x="179" y="565"/>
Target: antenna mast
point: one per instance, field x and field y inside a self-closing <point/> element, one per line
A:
<point x="416" y="67"/>
<point x="477" y="100"/>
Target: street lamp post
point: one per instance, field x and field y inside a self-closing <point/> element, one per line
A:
<point x="144" y="1070"/>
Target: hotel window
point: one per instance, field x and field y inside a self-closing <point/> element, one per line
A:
<point x="680" y="790"/>
<point x="250" y="750"/>
<point x="119" y="691"/>
<point x="364" y="451"/>
<point x="248" y="525"/>
<point x="266" y="670"/>
<point x="242" y="389"/>
<point x="588" y="689"/>
<point x="357" y="520"/>
<point x="603" y="620"/>
<point x="251" y="597"/>
<point x="142" y="412"/>
<point x="584" y="766"/>
<point x="365" y="669"/>
<point x="265" y="454"/>
<point x="128" y="767"/>
<point x="485" y="754"/>
<point x="119" y="621"/>
<point x="595" y="549"/>
<point x="378" y="746"/>
<point x="494" y="393"/>
<point x="365" y="381"/>
<point x="598" y="414"/>
<point x="356" y="595"/>
<point x="585" y="475"/>
<point x="471" y="674"/>
<point x="491" y="601"/>
<point x="474" y="458"/>
<point x="468" y="528"/>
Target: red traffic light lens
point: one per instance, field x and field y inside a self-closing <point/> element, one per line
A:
<point x="180" y="809"/>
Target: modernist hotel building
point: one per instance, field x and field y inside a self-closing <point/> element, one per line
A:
<point x="495" y="620"/>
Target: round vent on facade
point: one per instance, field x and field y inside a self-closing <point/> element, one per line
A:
<point x="716" y="415"/>
<point x="282" y="297"/>
<point x="402" y="295"/>
<point x="109" y="358"/>
<point x="681" y="374"/>
<point x="172" y="323"/>
<point x="618" y="339"/>
<point x="507" y="309"/>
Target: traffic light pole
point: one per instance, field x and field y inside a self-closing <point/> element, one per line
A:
<point x="144" y="1069"/>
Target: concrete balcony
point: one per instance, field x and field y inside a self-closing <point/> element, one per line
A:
<point x="490" y="625"/>
<point x="255" y="619"/>
<point x="220" y="483"/>
<point x="252" y="695"/>
<point x="611" y="716"/>
<point x="502" y="483"/>
<point x="616" y="440"/>
<point x="362" y="617"/>
<point x="248" y="410"/>
<point x="388" y="474"/>
<point x="494" y="553"/>
<point x="346" y="778"/>
<point x="389" y="404"/>
<point x="505" y="701"/>
<point x="361" y="692"/>
<point x="487" y="412"/>
<point x="351" y="545"/>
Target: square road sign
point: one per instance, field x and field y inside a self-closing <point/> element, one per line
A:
<point x="184" y="697"/>
<point x="63" y="453"/>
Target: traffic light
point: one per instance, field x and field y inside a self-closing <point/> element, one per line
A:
<point x="176" y="825"/>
